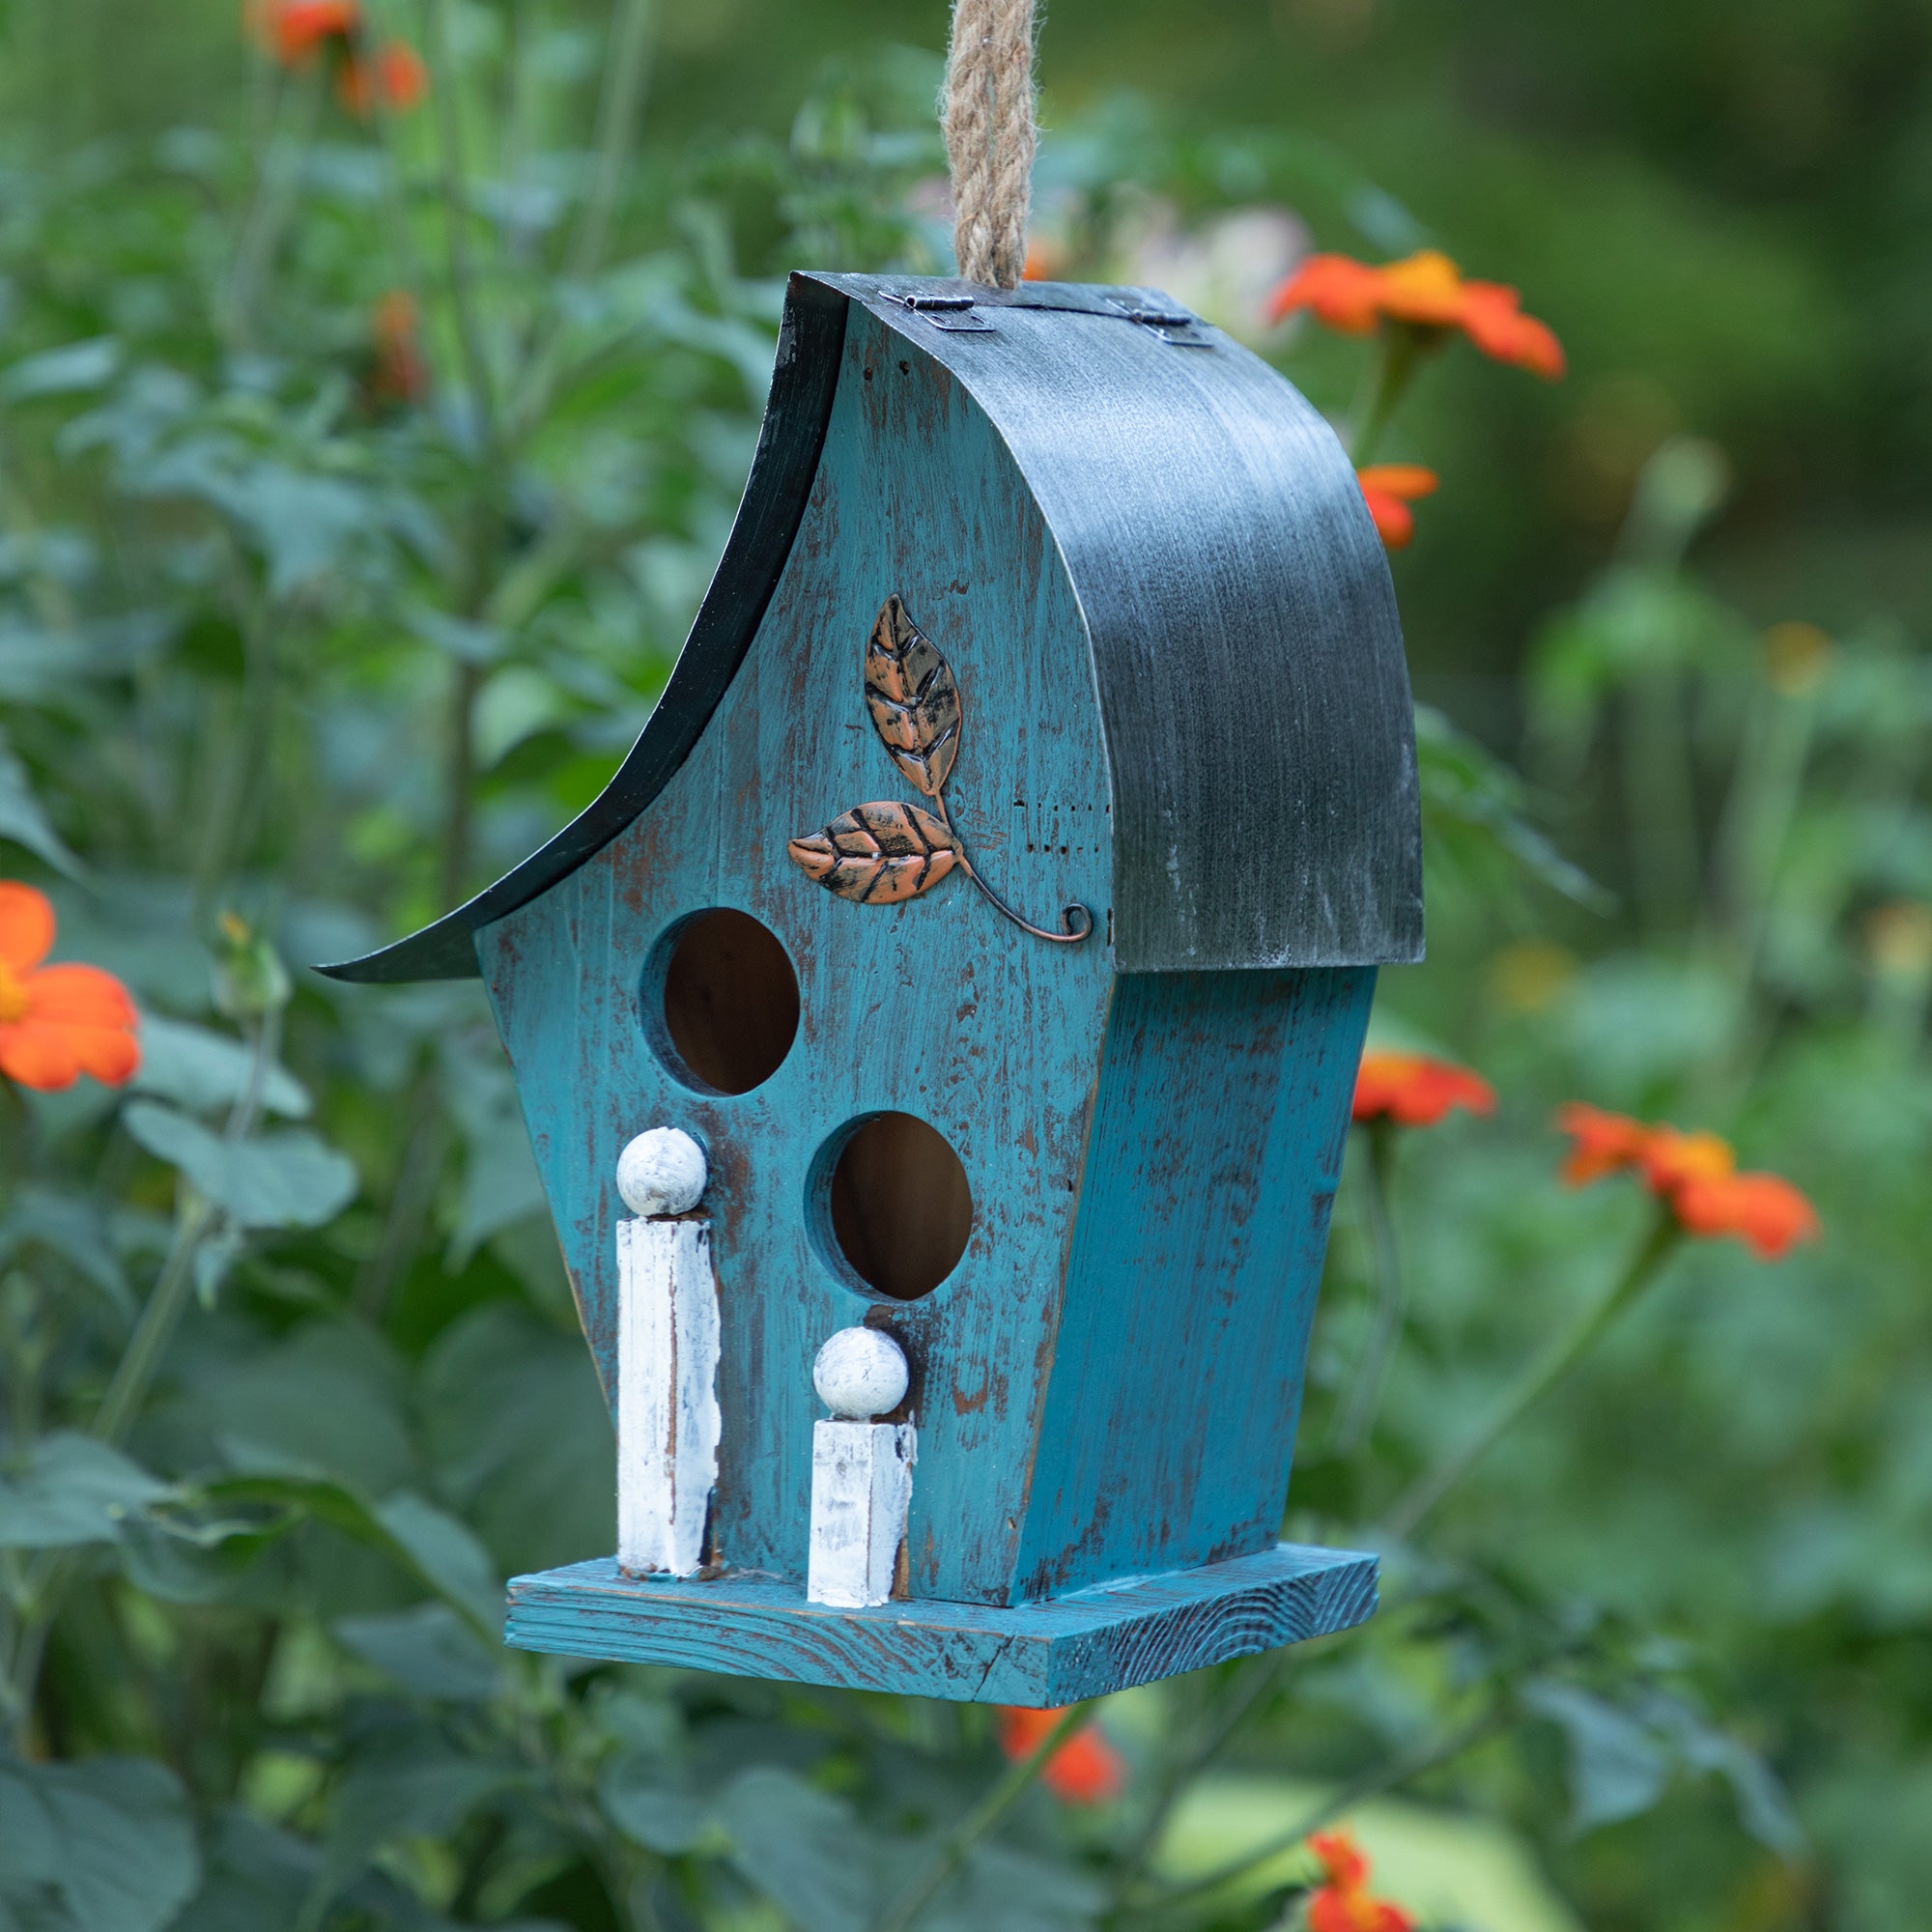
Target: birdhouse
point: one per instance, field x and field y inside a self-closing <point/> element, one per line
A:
<point x="937" y="1041"/>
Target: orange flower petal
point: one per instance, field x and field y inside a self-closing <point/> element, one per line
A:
<point x="1669" y="1158"/>
<point x="1393" y="519"/>
<point x="45" y="1058"/>
<point x="1341" y="1859"/>
<point x="1494" y="319"/>
<point x="1344" y="294"/>
<point x="1763" y="1210"/>
<point x="1388" y="489"/>
<point x="1086" y="1770"/>
<point x="26" y="925"/>
<point x="396" y="77"/>
<point x="79" y="996"/>
<point x="1603" y="1141"/>
<point x="1407" y="480"/>
<point x="1425" y="288"/>
<point x="1415" y="1091"/>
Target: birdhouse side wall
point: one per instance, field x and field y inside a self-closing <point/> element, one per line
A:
<point x="934" y="1006"/>
<point x="1213" y="1160"/>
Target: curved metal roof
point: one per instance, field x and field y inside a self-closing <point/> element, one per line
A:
<point x="1247" y="657"/>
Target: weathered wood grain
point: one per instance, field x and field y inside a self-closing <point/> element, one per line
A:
<point x="861" y="1487"/>
<point x="929" y="1006"/>
<point x="1175" y="1383"/>
<point x="1038" y="1654"/>
<point x="668" y="1423"/>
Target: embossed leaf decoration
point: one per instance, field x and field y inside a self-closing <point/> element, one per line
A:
<point x="913" y="699"/>
<point x="876" y="854"/>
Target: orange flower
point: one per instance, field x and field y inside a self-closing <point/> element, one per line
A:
<point x="1415" y="1091"/>
<point x="1763" y="1210"/>
<point x="1388" y="489"/>
<point x="400" y="374"/>
<point x="1694" y="1173"/>
<point x="1043" y="260"/>
<point x="1426" y="290"/>
<point x="296" y="31"/>
<point x="1343" y="1862"/>
<point x="1086" y="1770"/>
<point x="396" y="78"/>
<point x="57" y="1022"/>
<point x="1344" y="1902"/>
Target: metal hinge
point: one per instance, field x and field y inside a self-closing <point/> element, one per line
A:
<point x="1170" y="325"/>
<point x="949" y="312"/>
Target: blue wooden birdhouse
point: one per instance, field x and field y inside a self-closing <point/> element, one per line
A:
<point x="937" y="1042"/>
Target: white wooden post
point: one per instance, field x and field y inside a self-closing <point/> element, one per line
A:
<point x="860" y="1471"/>
<point x="668" y="1345"/>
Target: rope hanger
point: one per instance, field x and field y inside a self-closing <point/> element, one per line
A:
<point x="988" y="112"/>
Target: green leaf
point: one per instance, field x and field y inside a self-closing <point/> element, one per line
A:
<point x="328" y="1400"/>
<point x="802" y="1848"/>
<point x="642" y="1802"/>
<point x="72" y="370"/>
<point x="447" y="1554"/>
<point x="516" y="1428"/>
<point x="433" y="1546"/>
<point x="406" y="1785"/>
<point x="1473" y="818"/>
<point x="1617" y="1768"/>
<point x="103" y="1846"/>
<point x="68" y="1490"/>
<point x="71" y="1227"/>
<point x="1017" y="1894"/>
<point x="273" y="1180"/>
<point x="22" y="819"/>
<point x="201" y="1070"/>
<point x="428" y="1649"/>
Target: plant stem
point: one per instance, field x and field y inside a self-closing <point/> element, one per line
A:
<point x="52" y="1570"/>
<point x="1398" y="359"/>
<point x="1425" y="1757"/>
<point x="624" y="79"/>
<point x="1542" y="1376"/>
<point x="902" y="1914"/>
<point x="453" y="184"/>
<point x="1359" y="1413"/>
<point x="1256" y="1681"/>
<point x="626" y="74"/>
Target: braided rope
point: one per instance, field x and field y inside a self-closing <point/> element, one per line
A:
<point x="988" y="111"/>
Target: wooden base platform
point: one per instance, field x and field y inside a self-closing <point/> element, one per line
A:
<point x="1040" y="1655"/>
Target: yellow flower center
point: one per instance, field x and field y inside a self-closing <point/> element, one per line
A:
<point x="14" y="1000"/>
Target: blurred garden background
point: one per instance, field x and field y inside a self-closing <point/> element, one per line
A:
<point x="376" y="388"/>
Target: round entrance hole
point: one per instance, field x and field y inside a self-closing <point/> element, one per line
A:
<point x="897" y="1205"/>
<point x="720" y="1001"/>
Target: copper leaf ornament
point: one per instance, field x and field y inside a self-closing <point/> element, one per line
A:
<point x="913" y="699"/>
<point x="880" y="853"/>
<point x="875" y="854"/>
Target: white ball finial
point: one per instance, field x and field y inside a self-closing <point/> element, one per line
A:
<point x="661" y="1172"/>
<point x="860" y="1373"/>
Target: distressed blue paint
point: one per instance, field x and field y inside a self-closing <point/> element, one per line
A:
<point x="937" y="1007"/>
<point x="1214" y="1156"/>
<point x="1038" y="1655"/>
<point x="1107" y="1385"/>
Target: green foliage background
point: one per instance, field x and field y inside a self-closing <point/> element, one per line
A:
<point x="291" y="1377"/>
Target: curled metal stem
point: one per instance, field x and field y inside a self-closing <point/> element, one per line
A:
<point x="1076" y="921"/>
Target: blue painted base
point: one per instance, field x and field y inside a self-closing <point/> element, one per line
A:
<point x="1041" y="1654"/>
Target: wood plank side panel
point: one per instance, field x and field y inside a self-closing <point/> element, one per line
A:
<point x="1204" y="1218"/>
